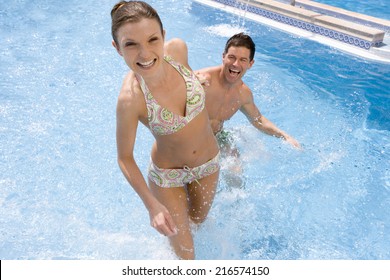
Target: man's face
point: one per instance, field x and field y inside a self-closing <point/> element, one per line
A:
<point x="235" y="63"/>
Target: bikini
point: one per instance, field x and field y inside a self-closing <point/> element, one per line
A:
<point x="164" y="122"/>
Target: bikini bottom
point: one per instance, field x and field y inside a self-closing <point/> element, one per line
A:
<point x="168" y="178"/>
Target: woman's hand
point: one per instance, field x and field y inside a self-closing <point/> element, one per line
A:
<point x="162" y="221"/>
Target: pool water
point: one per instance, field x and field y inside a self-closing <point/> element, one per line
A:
<point x="62" y="195"/>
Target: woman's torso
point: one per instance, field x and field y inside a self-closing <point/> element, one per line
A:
<point x="181" y="139"/>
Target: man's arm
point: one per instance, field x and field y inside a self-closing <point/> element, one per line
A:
<point x="259" y="121"/>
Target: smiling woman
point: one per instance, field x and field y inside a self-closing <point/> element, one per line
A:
<point x="162" y="93"/>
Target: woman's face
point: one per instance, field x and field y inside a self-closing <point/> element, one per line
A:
<point x="142" y="45"/>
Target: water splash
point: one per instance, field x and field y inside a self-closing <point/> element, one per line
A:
<point x="237" y="24"/>
<point x="225" y="30"/>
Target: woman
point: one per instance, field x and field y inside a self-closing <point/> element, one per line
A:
<point x="163" y="94"/>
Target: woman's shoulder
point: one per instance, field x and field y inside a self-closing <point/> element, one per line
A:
<point x="175" y="45"/>
<point x="177" y="49"/>
<point x="130" y="91"/>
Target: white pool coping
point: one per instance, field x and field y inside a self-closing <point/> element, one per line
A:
<point x="375" y="53"/>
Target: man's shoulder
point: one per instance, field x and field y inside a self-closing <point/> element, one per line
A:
<point x="208" y="75"/>
<point x="246" y="94"/>
<point x="245" y="88"/>
<point x="210" y="70"/>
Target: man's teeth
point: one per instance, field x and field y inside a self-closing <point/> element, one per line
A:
<point x="234" y="71"/>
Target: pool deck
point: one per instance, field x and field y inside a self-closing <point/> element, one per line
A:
<point x="351" y="32"/>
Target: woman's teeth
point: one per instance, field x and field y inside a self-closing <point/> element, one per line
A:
<point x="147" y="63"/>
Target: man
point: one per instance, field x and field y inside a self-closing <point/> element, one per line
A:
<point x="226" y="93"/>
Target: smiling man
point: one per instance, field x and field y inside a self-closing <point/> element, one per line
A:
<point x="226" y="93"/>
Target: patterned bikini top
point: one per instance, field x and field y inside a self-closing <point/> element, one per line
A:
<point x="161" y="120"/>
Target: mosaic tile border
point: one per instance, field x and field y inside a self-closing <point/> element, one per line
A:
<point x="327" y="32"/>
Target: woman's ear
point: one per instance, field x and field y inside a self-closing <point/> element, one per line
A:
<point x="116" y="47"/>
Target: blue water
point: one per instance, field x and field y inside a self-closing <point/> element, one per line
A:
<point x="62" y="195"/>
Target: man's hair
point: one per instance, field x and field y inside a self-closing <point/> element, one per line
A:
<point x="241" y="40"/>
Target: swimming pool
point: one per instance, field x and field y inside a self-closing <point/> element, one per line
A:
<point x="63" y="196"/>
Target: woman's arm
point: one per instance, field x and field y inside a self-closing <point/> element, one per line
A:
<point x="127" y="116"/>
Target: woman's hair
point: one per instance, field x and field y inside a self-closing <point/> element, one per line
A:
<point x="241" y="40"/>
<point x="131" y="11"/>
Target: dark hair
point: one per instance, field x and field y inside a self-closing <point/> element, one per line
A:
<point x="241" y="40"/>
<point x="131" y="11"/>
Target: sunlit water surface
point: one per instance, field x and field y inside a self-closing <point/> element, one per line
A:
<point x="62" y="195"/>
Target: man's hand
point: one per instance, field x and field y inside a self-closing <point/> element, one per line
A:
<point x="202" y="79"/>
<point x="293" y="142"/>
